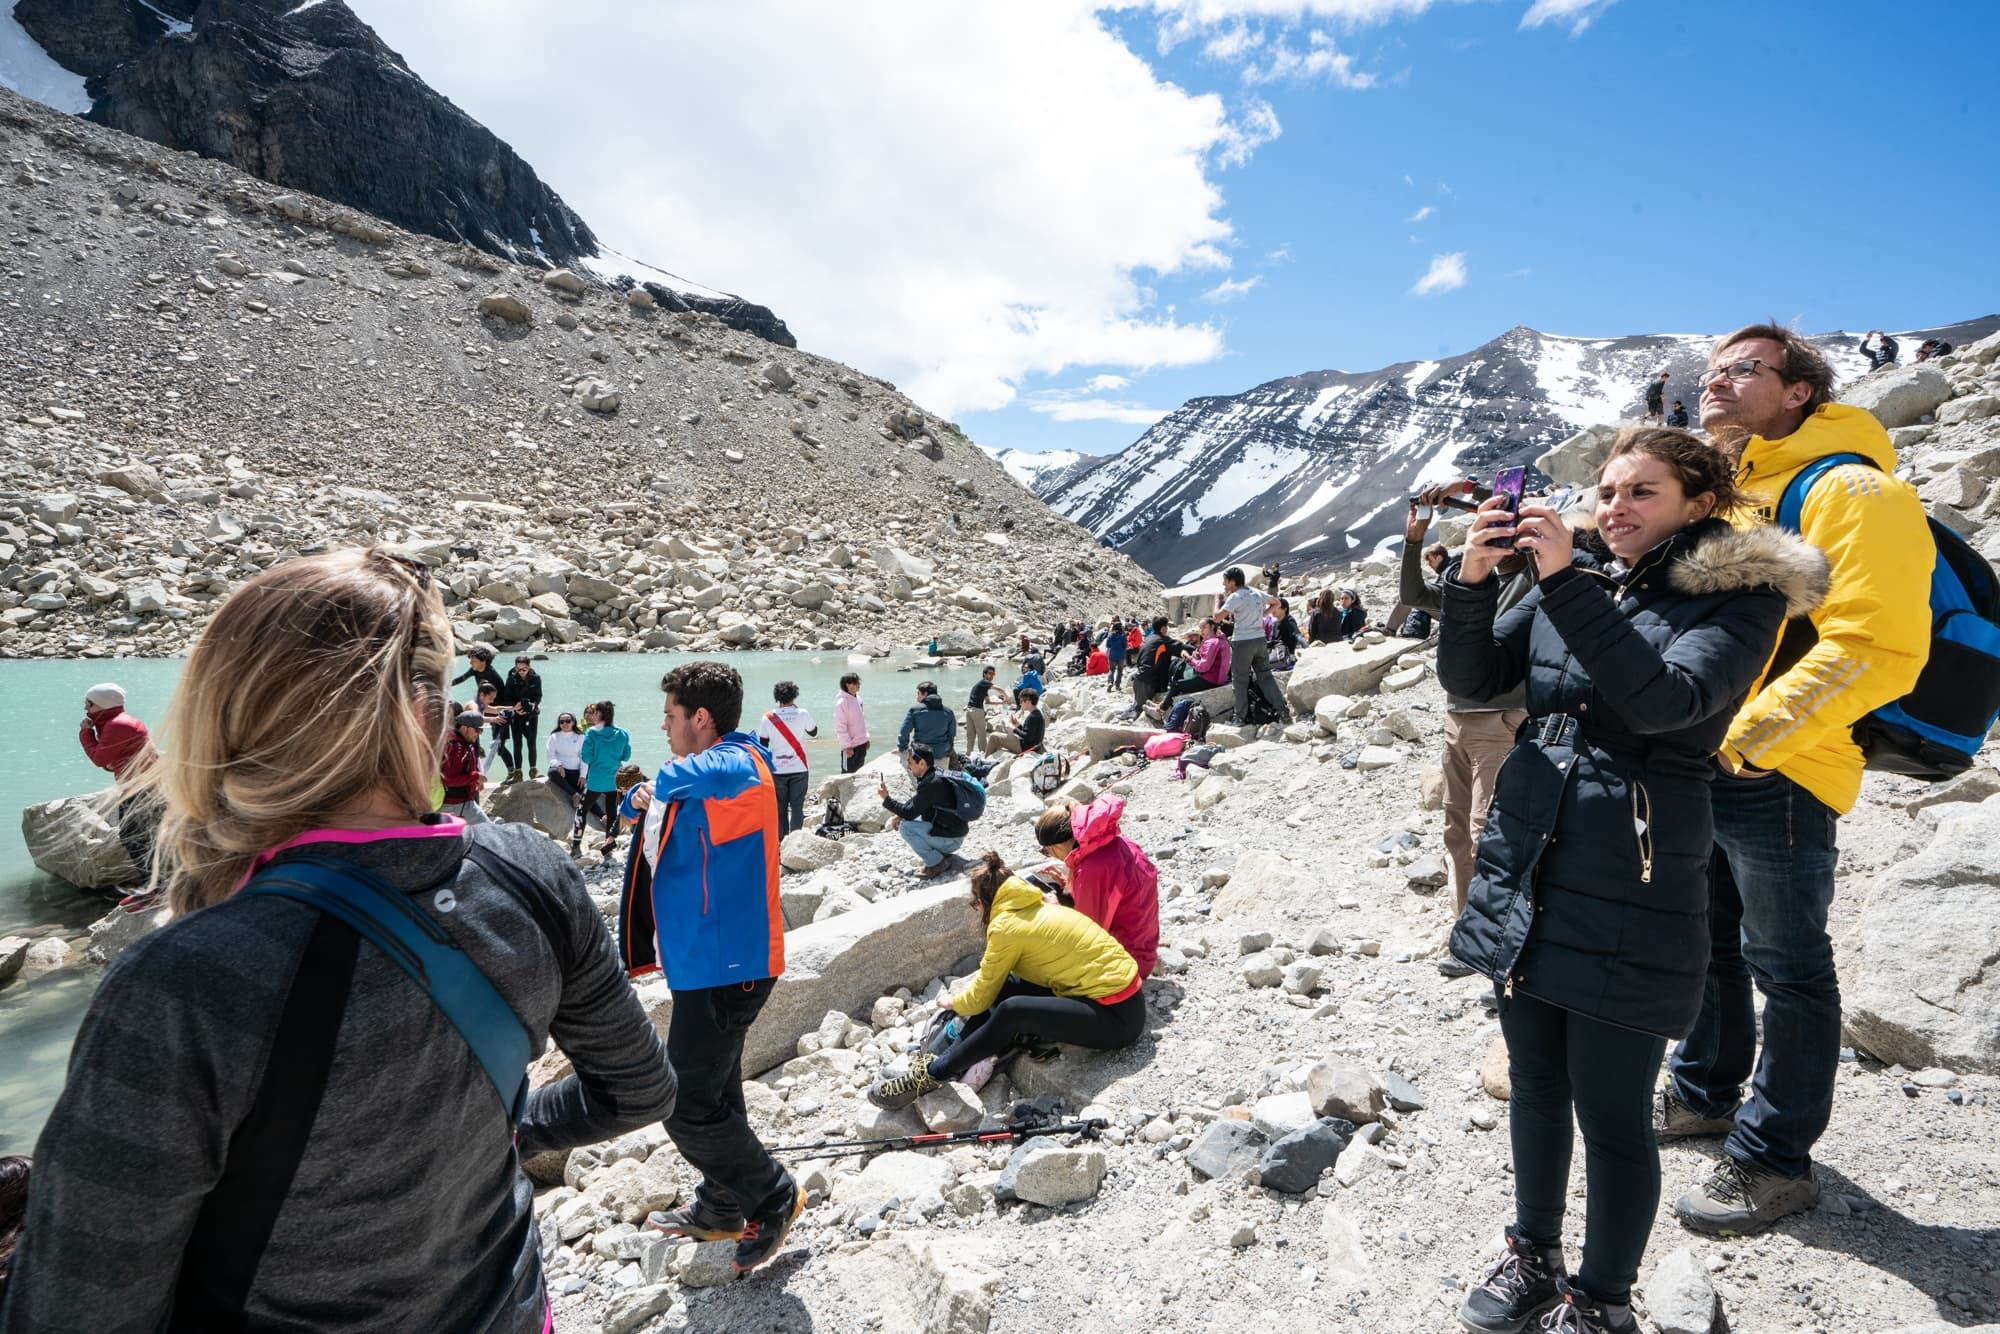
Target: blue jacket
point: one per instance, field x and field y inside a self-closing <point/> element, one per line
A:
<point x="709" y="916"/>
<point x="929" y="724"/>
<point x="604" y="749"/>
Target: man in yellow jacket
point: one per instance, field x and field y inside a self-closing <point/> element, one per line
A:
<point x="1790" y="768"/>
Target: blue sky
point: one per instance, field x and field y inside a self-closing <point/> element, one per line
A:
<point x="1050" y="220"/>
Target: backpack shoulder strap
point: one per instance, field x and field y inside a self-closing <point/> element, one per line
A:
<point x="455" y="984"/>
<point x="1793" y="501"/>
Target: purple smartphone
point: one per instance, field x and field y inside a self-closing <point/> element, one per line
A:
<point x="1508" y="483"/>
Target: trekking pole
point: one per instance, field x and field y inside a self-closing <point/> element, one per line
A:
<point x="841" y="1148"/>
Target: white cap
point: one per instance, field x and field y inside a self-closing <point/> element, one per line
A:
<point x="106" y="696"/>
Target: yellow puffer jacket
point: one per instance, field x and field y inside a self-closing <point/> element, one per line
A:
<point x="1049" y="945"/>
<point x="1874" y="626"/>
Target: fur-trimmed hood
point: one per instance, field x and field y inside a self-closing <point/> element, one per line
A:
<point x="1766" y="557"/>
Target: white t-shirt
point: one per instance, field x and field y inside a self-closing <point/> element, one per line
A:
<point x="785" y="759"/>
<point x="1247" y="606"/>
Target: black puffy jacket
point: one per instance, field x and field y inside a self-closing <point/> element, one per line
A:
<point x="1590" y="883"/>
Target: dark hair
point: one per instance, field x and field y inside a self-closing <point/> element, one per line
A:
<point x="566" y="717"/>
<point x="485" y="651"/>
<point x="1031" y="695"/>
<point x="1695" y="464"/>
<point x="1802" y="361"/>
<point x="987" y="877"/>
<point x="1052" y="826"/>
<point x="850" y="679"/>
<point x="1159" y="625"/>
<point x="1284" y="605"/>
<point x="927" y="687"/>
<point x="921" y="751"/>
<point x="1437" y="549"/>
<point x="606" y="711"/>
<point x="1234" y="575"/>
<point x="13" y="1208"/>
<point x="986" y="671"/>
<point x="488" y="688"/>
<point x="710" y="685"/>
<point x="785" y="691"/>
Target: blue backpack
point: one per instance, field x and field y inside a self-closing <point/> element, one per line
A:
<point x="969" y="794"/>
<point x="1934" y="731"/>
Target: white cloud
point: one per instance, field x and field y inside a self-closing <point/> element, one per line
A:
<point x="1101" y="384"/>
<point x="1094" y="410"/>
<point x="1001" y="216"/>
<point x="1321" y="59"/>
<point x="1280" y="255"/>
<point x="1576" y="15"/>
<point x="1232" y="289"/>
<point x="1446" y="274"/>
<point x="1421" y="214"/>
<point x="1256" y="127"/>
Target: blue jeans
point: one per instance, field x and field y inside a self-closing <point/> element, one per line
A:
<point x="928" y="846"/>
<point x="1770" y="884"/>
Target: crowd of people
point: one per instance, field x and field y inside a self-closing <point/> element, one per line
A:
<point x="1647" y="752"/>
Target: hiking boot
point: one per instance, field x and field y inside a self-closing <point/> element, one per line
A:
<point x="534" y="772"/>
<point x="513" y="775"/>
<point x="696" y="1222"/>
<point x="764" y="1232"/>
<point x="1452" y="966"/>
<point x="1520" y="1286"/>
<point x="1740" y="1197"/>
<point x="890" y="1094"/>
<point x="1673" y="1118"/>
<point x="934" y="871"/>
<point x="1576" y="1313"/>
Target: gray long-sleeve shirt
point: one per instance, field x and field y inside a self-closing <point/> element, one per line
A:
<point x="1416" y="588"/>
<point x="409" y="1210"/>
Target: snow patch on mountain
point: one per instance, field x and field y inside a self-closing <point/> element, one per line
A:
<point x="32" y="72"/>
<point x="1030" y="467"/>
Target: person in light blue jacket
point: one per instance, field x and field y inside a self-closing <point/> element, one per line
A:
<point x="605" y="747"/>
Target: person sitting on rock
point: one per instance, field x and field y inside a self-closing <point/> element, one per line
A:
<point x="119" y="744"/>
<point x="1152" y="665"/>
<point x="929" y="821"/>
<point x="1049" y="974"/>
<point x="929" y="723"/>
<point x="1353" y="617"/>
<point x="1590" y="895"/>
<point x="1208" y="661"/>
<point x="566" y="757"/>
<point x="1108" y="877"/>
<point x="1026" y="727"/>
<point x="321" y="1149"/>
<point x="1031" y="679"/>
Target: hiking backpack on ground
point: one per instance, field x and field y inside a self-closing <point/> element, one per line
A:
<point x="969" y="796"/>
<point x="1934" y="731"/>
<point x="1261" y="710"/>
<point x="1050" y="772"/>
<point x="1197" y="722"/>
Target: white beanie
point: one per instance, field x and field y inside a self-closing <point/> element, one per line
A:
<point x="106" y="696"/>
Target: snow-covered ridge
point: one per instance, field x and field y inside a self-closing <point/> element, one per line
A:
<point x="32" y="72"/>
<point x="1032" y="469"/>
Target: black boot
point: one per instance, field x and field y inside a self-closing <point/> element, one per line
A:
<point x="1520" y="1286"/>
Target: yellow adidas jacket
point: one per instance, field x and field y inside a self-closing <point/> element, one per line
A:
<point x="1875" y="624"/>
<point x="1049" y="945"/>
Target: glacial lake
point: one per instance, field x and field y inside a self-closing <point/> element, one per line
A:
<point x="39" y="1018"/>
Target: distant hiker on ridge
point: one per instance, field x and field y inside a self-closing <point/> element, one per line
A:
<point x="1656" y="400"/>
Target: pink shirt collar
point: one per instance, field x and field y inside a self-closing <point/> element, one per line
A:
<point x="446" y="826"/>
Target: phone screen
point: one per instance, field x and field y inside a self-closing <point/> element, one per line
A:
<point x="1509" y="483"/>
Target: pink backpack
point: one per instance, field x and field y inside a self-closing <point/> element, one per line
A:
<point x="1165" y="745"/>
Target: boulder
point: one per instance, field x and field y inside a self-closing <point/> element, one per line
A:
<point x="1227" y="1149"/>
<point x="503" y="306"/>
<point x="76" y="839"/>
<point x="13" y="954"/>
<point x="897" y="1176"/>
<point x="1295" y="1163"/>
<point x="1923" y="990"/>
<point x="44" y="956"/>
<point x="1575" y="461"/>
<point x="896" y="561"/>
<point x="951" y="1107"/>
<point x="735" y="628"/>
<point x="1052" y="1175"/>
<point x="135" y="479"/>
<point x="597" y="396"/>
<point x="1679" y="1297"/>
<point x="1973" y="407"/>
<point x="1267" y="882"/>
<point x="1901" y="395"/>
<point x="565" y="281"/>
<point x="1340" y="669"/>
<point x="803" y="850"/>
<point x="1277" y="1115"/>
<point x="914" y="1286"/>
<point x="1100" y="739"/>
<point x="537" y="802"/>
<point x="958" y="644"/>
<point x="111" y="933"/>
<point x="1345" y="1090"/>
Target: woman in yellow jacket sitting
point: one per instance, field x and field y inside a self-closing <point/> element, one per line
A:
<point x="1048" y="971"/>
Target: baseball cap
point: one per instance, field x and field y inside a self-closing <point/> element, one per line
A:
<point x="472" y="718"/>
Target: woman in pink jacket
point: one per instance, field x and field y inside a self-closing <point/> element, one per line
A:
<point x="1209" y="661"/>
<point x="1111" y="879"/>
<point x="850" y="724"/>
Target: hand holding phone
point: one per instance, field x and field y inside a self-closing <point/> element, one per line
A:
<point x="1507" y="485"/>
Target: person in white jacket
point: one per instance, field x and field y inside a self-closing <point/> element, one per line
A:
<point x="566" y="756"/>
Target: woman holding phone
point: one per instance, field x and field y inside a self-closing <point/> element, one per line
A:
<point x="1589" y="899"/>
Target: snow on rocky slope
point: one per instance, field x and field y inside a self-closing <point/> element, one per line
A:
<point x="1313" y="468"/>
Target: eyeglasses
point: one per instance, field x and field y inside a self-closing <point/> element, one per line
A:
<point x="1736" y="371"/>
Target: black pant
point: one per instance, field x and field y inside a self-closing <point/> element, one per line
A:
<point x="1144" y="687"/>
<point x="1025" y="1011"/>
<point x="604" y="803"/>
<point x="568" y="781"/>
<point x="851" y="762"/>
<point x="1557" y="1061"/>
<point x="791" y="802"/>
<point x="1118" y="674"/>
<point x="710" y="1125"/>
<point x="1191" y="685"/>
<point x="523" y="732"/>
<point x="503" y="748"/>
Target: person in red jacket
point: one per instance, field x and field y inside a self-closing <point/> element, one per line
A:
<point x="1111" y="879"/>
<point x="111" y="737"/>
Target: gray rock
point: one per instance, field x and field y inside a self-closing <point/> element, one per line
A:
<point x="534" y="801"/>
<point x="1679" y="1296"/>
<point x="803" y="850"/>
<point x="1303" y="978"/>
<point x="75" y="839"/>
<point x="503" y="306"/>
<point x="1575" y="461"/>
<point x="777" y="376"/>
<point x="1973" y="407"/>
<point x="1226" y="1149"/>
<point x="635" y="1306"/>
<point x="13" y="954"/>
<point x="1261" y="970"/>
<point x="1340" y="669"/>
<point x="950" y="1107"/>
<point x="1901" y="395"/>
<point x="1295" y="1163"/>
<point x="1347" y="1263"/>
<point x="1924" y="991"/>
<point x="112" y="933"/>
<point x="1343" y="1089"/>
<point x="1049" y="1174"/>
<point x="1402" y="1094"/>
<point x="1277" y="1115"/>
<point x="565" y="281"/>
<point x="1427" y="875"/>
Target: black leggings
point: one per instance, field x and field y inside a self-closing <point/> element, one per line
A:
<point x="524" y="743"/>
<point x="1558" y="1060"/>
<point x="858" y="755"/>
<point x="605" y="803"/>
<point x="1026" y="1011"/>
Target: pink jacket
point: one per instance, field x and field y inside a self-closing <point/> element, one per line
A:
<point x="850" y="726"/>
<point x="112" y="740"/>
<point x="1114" y="882"/>
<point x="1211" y="660"/>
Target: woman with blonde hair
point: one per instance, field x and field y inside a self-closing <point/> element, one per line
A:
<point x="283" y="1120"/>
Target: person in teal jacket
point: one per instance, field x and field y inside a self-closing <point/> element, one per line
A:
<point x="605" y="747"/>
<point x="701" y="902"/>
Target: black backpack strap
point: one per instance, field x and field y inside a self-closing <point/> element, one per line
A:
<point x="236" y="1220"/>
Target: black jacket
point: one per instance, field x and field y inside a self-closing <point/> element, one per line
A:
<point x="481" y="676"/>
<point x="1883" y="353"/>
<point x="1590" y="883"/>
<point x="929" y="724"/>
<point x="935" y="801"/>
<point x="1031" y="729"/>
<point x="1156" y="658"/>
<point x="517" y="691"/>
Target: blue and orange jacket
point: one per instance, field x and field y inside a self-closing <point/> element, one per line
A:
<point x="709" y="916"/>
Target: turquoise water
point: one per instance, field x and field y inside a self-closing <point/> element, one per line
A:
<point x="45" y="699"/>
